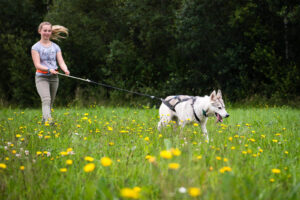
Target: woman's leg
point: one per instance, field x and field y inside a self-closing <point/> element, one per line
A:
<point x="54" y="82"/>
<point x="43" y="88"/>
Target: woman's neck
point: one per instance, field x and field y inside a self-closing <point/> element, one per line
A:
<point x="45" y="42"/>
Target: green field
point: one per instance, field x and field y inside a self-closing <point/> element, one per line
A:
<point x="254" y="154"/>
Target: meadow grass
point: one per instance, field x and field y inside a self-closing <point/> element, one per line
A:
<point x="253" y="154"/>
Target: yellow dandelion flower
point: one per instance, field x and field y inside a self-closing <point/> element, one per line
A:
<point x="211" y="168"/>
<point x="109" y="128"/>
<point x="2" y="166"/>
<point x="276" y="171"/>
<point x="89" y="158"/>
<point x="89" y="167"/>
<point x="176" y="152"/>
<point x="69" y="150"/>
<point x="38" y="153"/>
<point x="263" y="136"/>
<point x="106" y="161"/>
<point x="275" y="141"/>
<point x="230" y="138"/>
<point x="124" y="131"/>
<point x="129" y="193"/>
<point x="225" y="160"/>
<point x="218" y="158"/>
<point x="146" y="139"/>
<point x="111" y="144"/>
<point x="22" y="168"/>
<point x="286" y="152"/>
<point x="18" y="136"/>
<point x="69" y="162"/>
<point x="195" y="124"/>
<point x="14" y="151"/>
<point x="199" y="157"/>
<point x="166" y="154"/>
<point x="174" y="166"/>
<point x="63" y="153"/>
<point x="194" y="191"/>
<point x="63" y="169"/>
<point x="78" y="125"/>
<point x="233" y="148"/>
<point x="225" y="169"/>
<point x="272" y="180"/>
<point x="160" y="136"/>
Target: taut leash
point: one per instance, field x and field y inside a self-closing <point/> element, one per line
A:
<point x="109" y="86"/>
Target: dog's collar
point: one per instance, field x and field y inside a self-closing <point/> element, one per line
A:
<point x="204" y="113"/>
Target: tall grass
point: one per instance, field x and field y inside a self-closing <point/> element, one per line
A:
<point x="254" y="154"/>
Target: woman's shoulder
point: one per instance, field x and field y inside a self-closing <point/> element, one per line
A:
<point x="56" y="46"/>
<point x="36" y="46"/>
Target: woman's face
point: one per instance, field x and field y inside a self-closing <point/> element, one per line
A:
<point x="46" y="32"/>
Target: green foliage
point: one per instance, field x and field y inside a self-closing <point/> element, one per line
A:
<point x="245" y="48"/>
<point x="18" y="32"/>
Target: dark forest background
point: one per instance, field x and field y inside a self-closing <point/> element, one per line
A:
<point x="247" y="48"/>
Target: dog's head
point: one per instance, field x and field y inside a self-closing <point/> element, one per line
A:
<point x="217" y="106"/>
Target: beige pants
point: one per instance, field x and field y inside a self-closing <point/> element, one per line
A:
<point x="47" y="87"/>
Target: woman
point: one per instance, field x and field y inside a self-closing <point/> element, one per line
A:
<point x="45" y="55"/>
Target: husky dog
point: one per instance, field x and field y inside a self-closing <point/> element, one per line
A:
<point x="184" y="109"/>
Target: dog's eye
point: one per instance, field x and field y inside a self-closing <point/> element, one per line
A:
<point x="219" y="108"/>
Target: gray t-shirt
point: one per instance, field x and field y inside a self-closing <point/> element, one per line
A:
<point x="47" y="55"/>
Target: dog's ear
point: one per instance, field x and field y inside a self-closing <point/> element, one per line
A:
<point x="219" y="94"/>
<point x="213" y="96"/>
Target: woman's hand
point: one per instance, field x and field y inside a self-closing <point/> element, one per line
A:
<point x="53" y="71"/>
<point x="67" y="72"/>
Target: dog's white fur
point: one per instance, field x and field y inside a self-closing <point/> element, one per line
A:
<point x="212" y="105"/>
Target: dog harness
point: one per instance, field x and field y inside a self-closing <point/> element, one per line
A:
<point x="167" y="103"/>
<point x="172" y="107"/>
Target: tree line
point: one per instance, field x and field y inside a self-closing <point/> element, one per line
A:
<point x="160" y="47"/>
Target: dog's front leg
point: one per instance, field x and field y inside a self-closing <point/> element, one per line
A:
<point x="204" y="130"/>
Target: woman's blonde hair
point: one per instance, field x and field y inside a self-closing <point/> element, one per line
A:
<point x="56" y="30"/>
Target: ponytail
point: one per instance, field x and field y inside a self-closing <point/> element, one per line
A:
<point x="56" y="32"/>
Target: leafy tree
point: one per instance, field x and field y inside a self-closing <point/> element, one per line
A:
<point x="18" y="32"/>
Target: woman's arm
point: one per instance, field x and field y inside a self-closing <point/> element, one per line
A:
<point x="36" y="61"/>
<point x="62" y="63"/>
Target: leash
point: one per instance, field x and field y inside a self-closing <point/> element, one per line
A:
<point x="141" y="94"/>
<point x="109" y="86"/>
